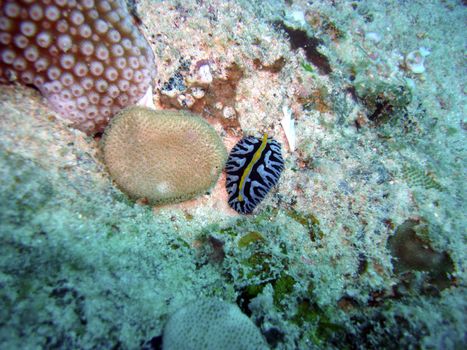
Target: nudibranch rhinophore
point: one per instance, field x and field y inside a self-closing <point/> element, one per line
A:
<point x="253" y="168"/>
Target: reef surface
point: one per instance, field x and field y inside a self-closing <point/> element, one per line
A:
<point x="361" y="245"/>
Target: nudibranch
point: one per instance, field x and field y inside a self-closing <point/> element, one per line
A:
<point x="253" y="168"/>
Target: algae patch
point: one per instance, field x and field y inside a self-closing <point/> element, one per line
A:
<point x="412" y="252"/>
<point x="24" y="189"/>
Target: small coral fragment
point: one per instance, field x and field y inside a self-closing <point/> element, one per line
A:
<point x="162" y="156"/>
<point x="415" y="60"/>
<point x="288" y="125"/>
<point x="86" y="57"/>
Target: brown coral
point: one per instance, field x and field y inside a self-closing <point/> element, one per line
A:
<point x="162" y="156"/>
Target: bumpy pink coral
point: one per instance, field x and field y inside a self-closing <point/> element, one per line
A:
<point x="85" y="56"/>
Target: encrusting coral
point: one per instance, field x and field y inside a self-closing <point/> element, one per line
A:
<point x="86" y="57"/>
<point x="162" y="156"/>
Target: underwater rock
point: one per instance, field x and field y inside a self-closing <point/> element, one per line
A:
<point x="25" y="188"/>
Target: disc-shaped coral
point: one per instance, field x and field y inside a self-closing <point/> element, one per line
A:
<point x="85" y="56"/>
<point x="162" y="156"/>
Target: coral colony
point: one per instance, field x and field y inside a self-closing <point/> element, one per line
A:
<point x="162" y="156"/>
<point x="86" y="57"/>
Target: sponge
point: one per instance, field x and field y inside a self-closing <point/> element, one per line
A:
<point x="211" y="324"/>
<point x="162" y="156"/>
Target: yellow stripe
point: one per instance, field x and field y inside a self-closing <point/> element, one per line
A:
<point x="250" y="166"/>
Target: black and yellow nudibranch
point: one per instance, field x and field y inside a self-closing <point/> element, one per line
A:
<point x="253" y="168"/>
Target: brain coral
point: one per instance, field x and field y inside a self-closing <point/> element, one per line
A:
<point x="162" y="156"/>
<point x="211" y="324"/>
<point x="85" y="56"/>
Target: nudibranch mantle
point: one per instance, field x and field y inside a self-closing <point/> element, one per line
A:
<point x="253" y="168"/>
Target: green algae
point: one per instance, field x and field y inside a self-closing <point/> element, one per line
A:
<point x="250" y="238"/>
<point x="309" y="221"/>
<point x="307" y="67"/>
<point x="262" y="266"/>
<point x="319" y="328"/>
<point x="283" y="287"/>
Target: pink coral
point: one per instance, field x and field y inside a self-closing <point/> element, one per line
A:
<point x="85" y="56"/>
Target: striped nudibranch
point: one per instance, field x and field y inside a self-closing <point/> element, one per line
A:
<point x="253" y="168"/>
